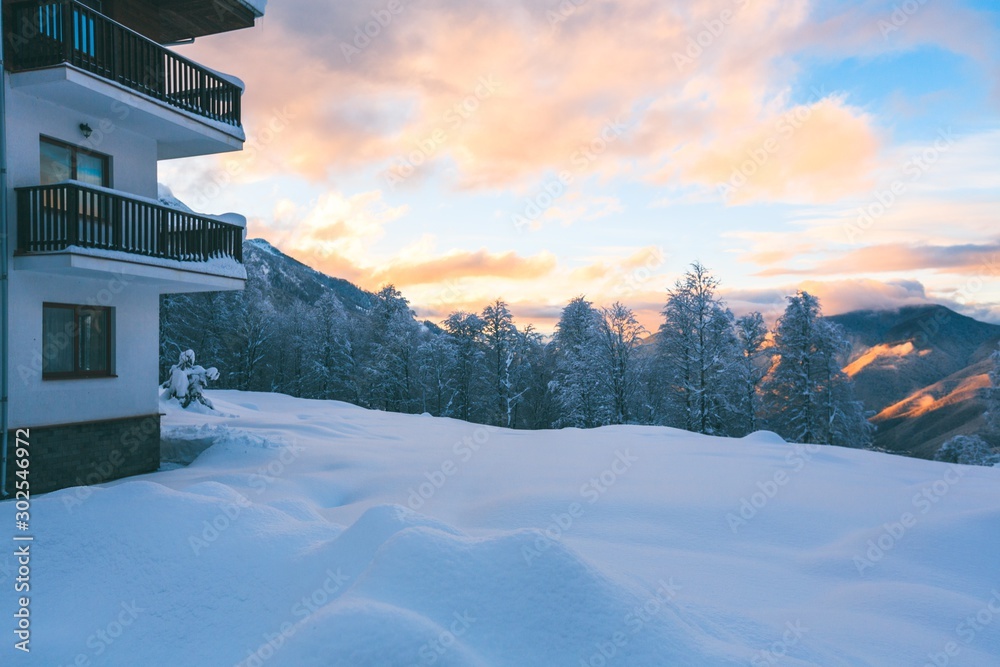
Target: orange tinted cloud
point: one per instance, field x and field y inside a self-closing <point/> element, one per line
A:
<point x="503" y="93"/>
<point x="462" y="264"/>
<point x="884" y="258"/>
<point x="842" y="296"/>
<point x="816" y="152"/>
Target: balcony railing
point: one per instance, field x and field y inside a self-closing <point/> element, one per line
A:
<point x="46" y="34"/>
<point x="54" y="217"/>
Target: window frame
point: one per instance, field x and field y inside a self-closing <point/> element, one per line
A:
<point x="74" y="151"/>
<point x="77" y="373"/>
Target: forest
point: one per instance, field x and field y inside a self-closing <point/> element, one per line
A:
<point x="704" y="370"/>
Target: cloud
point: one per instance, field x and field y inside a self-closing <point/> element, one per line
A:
<point x="812" y="152"/>
<point x="463" y="264"/>
<point x="886" y="258"/>
<point x="842" y="296"/>
<point x="595" y="87"/>
<point x="836" y="296"/>
<point x="493" y="97"/>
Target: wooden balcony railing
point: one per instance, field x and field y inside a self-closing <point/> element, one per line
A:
<point x="53" y="217"/>
<point x="47" y="34"/>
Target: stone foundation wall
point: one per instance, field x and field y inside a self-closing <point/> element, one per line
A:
<point x="86" y="453"/>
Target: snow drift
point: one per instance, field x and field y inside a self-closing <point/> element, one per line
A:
<point x="308" y="533"/>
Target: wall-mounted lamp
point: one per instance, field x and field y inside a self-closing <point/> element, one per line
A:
<point x="87" y="130"/>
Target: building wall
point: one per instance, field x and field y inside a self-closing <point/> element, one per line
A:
<point x="38" y="402"/>
<point x="34" y="402"/>
<point x="87" y="431"/>
<point x="133" y="156"/>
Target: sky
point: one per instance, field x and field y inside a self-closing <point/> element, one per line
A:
<point x="468" y="150"/>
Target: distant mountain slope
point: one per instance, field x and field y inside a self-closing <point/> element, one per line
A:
<point x="920" y="368"/>
<point x="291" y="279"/>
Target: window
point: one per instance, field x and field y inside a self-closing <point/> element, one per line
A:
<point x="76" y="341"/>
<point x="61" y="162"/>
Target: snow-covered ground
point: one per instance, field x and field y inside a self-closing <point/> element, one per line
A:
<point x="316" y="533"/>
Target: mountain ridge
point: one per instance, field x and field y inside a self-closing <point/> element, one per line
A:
<point x="921" y="370"/>
<point x="918" y="369"/>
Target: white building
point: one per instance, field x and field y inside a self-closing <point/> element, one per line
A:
<point x="92" y="100"/>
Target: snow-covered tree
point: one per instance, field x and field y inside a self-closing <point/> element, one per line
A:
<point x="808" y="398"/>
<point x="388" y="368"/>
<point x="466" y="329"/>
<point x="581" y="396"/>
<point x="436" y="361"/>
<point x="332" y="369"/>
<point x="619" y="335"/>
<point x="187" y="381"/>
<point x="517" y="373"/>
<point x="751" y="334"/>
<point x="292" y="367"/>
<point x="698" y="354"/>
<point x="500" y="337"/>
<point x="537" y="407"/>
<point x="969" y="450"/>
<point x="251" y="320"/>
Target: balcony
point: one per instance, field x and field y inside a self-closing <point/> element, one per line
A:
<point x="64" y="51"/>
<point x="78" y="229"/>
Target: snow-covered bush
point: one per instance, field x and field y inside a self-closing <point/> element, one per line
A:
<point x="187" y="381"/>
<point x="969" y="450"/>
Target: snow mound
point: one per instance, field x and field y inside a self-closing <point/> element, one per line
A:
<point x="765" y="438"/>
<point x="291" y="538"/>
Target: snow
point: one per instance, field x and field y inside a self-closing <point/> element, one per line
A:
<point x="880" y="353"/>
<point x="234" y="80"/>
<point x="308" y="533"/>
<point x="165" y="197"/>
<point x="264" y="245"/>
<point x="219" y="266"/>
